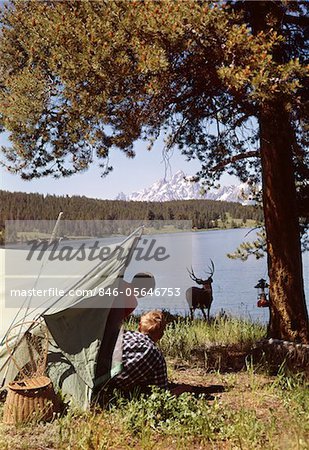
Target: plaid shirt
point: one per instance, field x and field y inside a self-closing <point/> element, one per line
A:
<point x="143" y="363"/>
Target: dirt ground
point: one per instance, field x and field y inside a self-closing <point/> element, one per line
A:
<point x="239" y="391"/>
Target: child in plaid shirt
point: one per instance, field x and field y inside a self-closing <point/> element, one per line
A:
<point x="143" y="362"/>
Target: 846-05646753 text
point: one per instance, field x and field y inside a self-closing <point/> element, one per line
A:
<point x="157" y="292"/>
<point x="108" y="291"/>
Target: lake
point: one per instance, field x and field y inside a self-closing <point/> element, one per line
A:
<point x="233" y="280"/>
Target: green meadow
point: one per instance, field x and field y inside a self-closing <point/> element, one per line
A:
<point x="242" y="404"/>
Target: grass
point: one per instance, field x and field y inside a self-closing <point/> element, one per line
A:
<point x="202" y="343"/>
<point x="221" y="330"/>
<point x="251" y="410"/>
<point x="232" y="222"/>
<point x="254" y="412"/>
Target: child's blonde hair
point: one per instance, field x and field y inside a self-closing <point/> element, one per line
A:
<point x="152" y="322"/>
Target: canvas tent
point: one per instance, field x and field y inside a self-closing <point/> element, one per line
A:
<point x="76" y="328"/>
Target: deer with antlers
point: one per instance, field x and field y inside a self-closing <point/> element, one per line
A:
<point x="201" y="297"/>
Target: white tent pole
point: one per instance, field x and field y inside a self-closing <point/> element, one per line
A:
<point x="35" y="283"/>
<point x="52" y="237"/>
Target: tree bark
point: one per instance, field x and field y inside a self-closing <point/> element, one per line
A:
<point x="288" y="312"/>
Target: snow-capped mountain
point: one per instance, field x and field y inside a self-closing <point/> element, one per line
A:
<point x="182" y="187"/>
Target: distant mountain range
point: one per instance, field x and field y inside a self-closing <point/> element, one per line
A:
<point x="182" y="187"/>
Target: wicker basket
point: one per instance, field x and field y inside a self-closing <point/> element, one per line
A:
<point x="30" y="400"/>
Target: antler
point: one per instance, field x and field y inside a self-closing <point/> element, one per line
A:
<point x="193" y="277"/>
<point x="212" y="268"/>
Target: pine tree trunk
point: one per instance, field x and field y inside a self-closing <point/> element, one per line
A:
<point x="288" y="312"/>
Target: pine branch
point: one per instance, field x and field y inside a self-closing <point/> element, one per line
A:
<point x="251" y="154"/>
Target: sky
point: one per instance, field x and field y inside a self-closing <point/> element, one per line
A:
<point x="129" y="175"/>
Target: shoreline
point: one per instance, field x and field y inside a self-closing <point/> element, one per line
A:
<point x="148" y="232"/>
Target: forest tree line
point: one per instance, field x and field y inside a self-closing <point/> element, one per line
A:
<point x="203" y="213"/>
